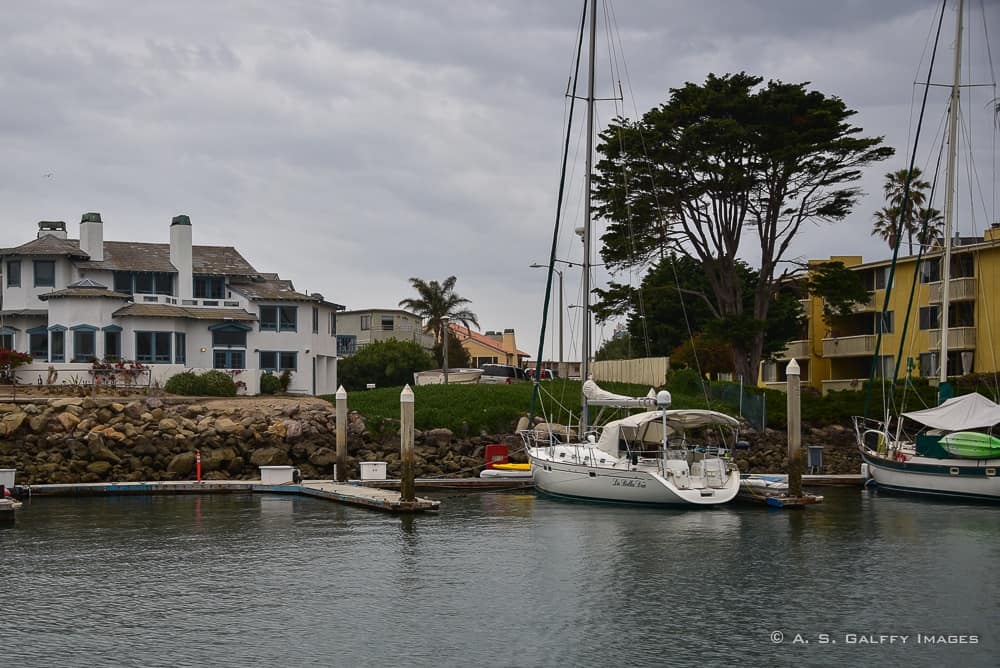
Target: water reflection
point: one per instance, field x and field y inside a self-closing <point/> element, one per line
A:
<point x="508" y="579"/>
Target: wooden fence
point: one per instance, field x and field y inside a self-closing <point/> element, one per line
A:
<point x="650" y="371"/>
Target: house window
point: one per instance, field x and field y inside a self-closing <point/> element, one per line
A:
<point x="229" y="359"/>
<point x="271" y="360"/>
<point x="84" y="344"/>
<point x="14" y="274"/>
<point x="930" y="317"/>
<point x="112" y="345"/>
<point x="366" y="322"/>
<point x="144" y="282"/>
<point x="123" y="282"/>
<point x="38" y="346"/>
<point x="45" y="274"/>
<point x="57" y="346"/>
<point x="333" y="323"/>
<point x="180" y="348"/>
<point x="229" y="336"/>
<point x="315" y="320"/>
<point x="153" y="347"/>
<point x="930" y="271"/>
<point x="347" y="344"/>
<point x="387" y="323"/>
<point x="209" y="287"/>
<point x="962" y="314"/>
<point x="278" y="318"/>
<point x="6" y="339"/>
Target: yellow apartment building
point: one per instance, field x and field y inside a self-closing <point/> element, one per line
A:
<point x="838" y="355"/>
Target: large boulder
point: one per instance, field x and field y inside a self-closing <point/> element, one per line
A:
<point x="182" y="464"/>
<point x="269" y="457"/>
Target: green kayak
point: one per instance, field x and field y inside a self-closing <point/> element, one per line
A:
<point x="971" y="445"/>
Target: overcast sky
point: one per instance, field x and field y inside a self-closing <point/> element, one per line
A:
<point x="350" y="145"/>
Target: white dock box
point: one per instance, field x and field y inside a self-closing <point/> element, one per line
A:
<point x="7" y="477"/>
<point x="373" y="470"/>
<point x="277" y="475"/>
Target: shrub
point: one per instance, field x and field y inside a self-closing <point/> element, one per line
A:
<point x="385" y="363"/>
<point x="285" y="379"/>
<point x="186" y="383"/>
<point x="217" y="383"/>
<point x="685" y="381"/>
<point x="269" y="384"/>
<point x="212" y="383"/>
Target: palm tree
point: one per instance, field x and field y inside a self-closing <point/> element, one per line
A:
<point x="929" y="228"/>
<point x="895" y="186"/>
<point x="886" y="220"/>
<point x="437" y="304"/>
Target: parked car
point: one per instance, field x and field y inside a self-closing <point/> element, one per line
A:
<point x="501" y="374"/>
<point x="547" y="374"/>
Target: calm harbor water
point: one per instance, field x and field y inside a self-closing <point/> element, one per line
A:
<point x="497" y="579"/>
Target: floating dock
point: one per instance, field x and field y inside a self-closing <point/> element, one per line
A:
<point x="348" y="493"/>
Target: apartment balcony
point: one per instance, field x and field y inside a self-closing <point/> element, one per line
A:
<point x="961" y="289"/>
<point x="794" y="350"/>
<point x="959" y="338"/>
<point x="849" y="346"/>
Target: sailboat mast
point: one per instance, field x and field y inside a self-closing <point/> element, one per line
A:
<point x="585" y="362"/>
<point x="949" y="202"/>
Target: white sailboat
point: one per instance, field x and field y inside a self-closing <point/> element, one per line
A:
<point x="653" y="457"/>
<point x="926" y="463"/>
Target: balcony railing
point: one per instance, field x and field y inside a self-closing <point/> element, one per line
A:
<point x="961" y="289"/>
<point x="795" y="350"/>
<point x="839" y="384"/>
<point x="849" y="346"/>
<point x="959" y="338"/>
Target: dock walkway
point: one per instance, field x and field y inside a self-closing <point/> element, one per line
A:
<point x="347" y="493"/>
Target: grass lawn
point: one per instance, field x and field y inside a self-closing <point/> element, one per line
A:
<point x="469" y="409"/>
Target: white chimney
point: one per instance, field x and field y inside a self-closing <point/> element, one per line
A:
<point x="51" y="228"/>
<point x="92" y="236"/>
<point x="180" y="255"/>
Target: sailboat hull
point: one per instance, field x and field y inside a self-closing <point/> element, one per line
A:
<point x="928" y="476"/>
<point x="639" y="487"/>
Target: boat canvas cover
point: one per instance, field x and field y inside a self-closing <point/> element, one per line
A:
<point x="648" y="426"/>
<point x="970" y="411"/>
<point x="598" y="396"/>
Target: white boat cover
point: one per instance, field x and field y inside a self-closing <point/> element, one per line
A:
<point x="597" y="396"/>
<point x="648" y="426"/>
<point x="970" y="411"/>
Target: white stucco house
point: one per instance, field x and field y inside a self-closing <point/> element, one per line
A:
<point x="167" y="306"/>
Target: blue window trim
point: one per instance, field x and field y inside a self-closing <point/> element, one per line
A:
<point x="277" y="360"/>
<point x="41" y="329"/>
<point x="180" y="351"/>
<point x="111" y="328"/>
<point x="277" y="318"/>
<point x="8" y="330"/>
<point x="84" y="329"/>
<point x="35" y="273"/>
<point x="60" y="357"/>
<point x="231" y="326"/>
<point x="151" y="358"/>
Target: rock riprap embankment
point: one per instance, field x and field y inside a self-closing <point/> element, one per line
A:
<point x="96" y="439"/>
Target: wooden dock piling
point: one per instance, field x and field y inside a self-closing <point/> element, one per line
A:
<point x="406" y="439"/>
<point x="341" y="397"/>
<point x="794" y="399"/>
